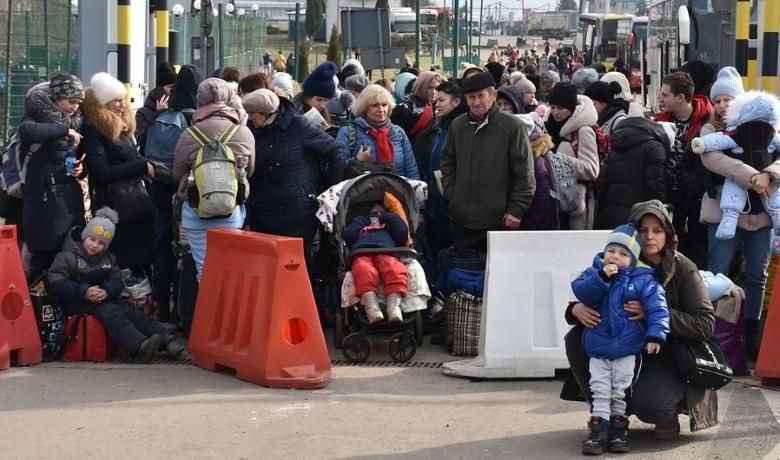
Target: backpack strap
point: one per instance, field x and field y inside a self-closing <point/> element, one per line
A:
<point x="351" y="136"/>
<point x="229" y="133"/>
<point x="198" y="135"/>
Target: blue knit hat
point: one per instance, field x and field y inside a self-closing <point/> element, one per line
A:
<point x="321" y="82"/>
<point x="627" y="237"/>
<point x="729" y="83"/>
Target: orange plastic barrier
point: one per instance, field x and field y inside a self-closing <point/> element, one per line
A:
<point x="768" y="364"/>
<point x="256" y="313"/>
<point x="18" y="331"/>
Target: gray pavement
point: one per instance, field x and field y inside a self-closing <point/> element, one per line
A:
<point x="79" y="410"/>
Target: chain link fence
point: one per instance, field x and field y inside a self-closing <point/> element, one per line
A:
<point x="239" y="40"/>
<point x="38" y="38"/>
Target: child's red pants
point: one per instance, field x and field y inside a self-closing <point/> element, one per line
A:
<point x="367" y="270"/>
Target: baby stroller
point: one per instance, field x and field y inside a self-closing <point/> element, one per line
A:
<point x="352" y="329"/>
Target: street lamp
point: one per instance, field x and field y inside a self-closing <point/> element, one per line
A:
<point x="196" y="5"/>
<point x="177" y="10"/>
<point x="229" y="7"/>
<point x="241" y="11"/>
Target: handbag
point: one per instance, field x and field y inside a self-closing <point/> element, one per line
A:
<point x="701" y="364"/>
<point x="130" y="199"/>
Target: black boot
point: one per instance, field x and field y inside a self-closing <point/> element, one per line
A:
<point x="618" y="434"/>
<point x="149" y="347"/>
<point x="598" y="438"/>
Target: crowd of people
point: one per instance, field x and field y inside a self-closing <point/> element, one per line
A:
<point x="495" y="146"/>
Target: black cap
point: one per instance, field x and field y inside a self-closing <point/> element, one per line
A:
<point x="600" y="91"/>
<point x="478" y="82"/>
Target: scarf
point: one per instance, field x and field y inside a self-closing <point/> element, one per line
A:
<point x="553" y="128"/>
<point x="384" y="149"/>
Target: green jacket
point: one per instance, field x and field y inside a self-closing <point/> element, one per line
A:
<point x="487" y="170"/>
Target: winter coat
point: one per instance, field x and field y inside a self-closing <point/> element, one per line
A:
<point x="634" y="171"/>
<point x="408" y="113"/>
<point x="514" y="96"/>
<point x="213" y="117"/>
<point x="73" y="272"/>
<point x="286" y="182"/>
<point x="612" y="116"/>
<point x="617" y="336"/>
<point x="146" y="114"/>
<point x="543" y="213"/>
<point x="585" y="154"/>
<point x="53" y="200"/>
<point x="403" y="156"/>
<point x="487" y="170"/>
<point x="112" y="157"/>
<point x="393" y="235"/>
<point x="724" y="164"/>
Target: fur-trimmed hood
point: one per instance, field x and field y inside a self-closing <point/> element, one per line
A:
<point x="753" y="106"/>
<point x="40" y="107"/>
<point x="107" y="123"/>
<point x="584" y="115"/>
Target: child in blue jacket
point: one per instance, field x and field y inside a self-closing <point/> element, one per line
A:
<point x="381" y="229"/>
<point x="616" y="277"/>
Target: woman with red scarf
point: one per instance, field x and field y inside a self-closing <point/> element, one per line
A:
<point x="372" y="142"/>
<point x="416" y="111"/>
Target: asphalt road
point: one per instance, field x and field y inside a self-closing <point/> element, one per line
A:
<point x="72" y="410"/>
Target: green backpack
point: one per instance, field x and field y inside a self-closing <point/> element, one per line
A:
<point x="215" y="184"/>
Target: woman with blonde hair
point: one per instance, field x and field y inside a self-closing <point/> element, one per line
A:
<point x="373" y="142"/>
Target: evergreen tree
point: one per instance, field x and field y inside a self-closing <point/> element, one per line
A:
<point x="303" y="59"/>
<point x="566" y="5"/>
<point x="641" y="8"/>
<point x="315" y="16"/>
<point x="334" y="47"/>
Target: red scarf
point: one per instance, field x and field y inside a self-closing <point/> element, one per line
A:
<point x="384" y="149"/>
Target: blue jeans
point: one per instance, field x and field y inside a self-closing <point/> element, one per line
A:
<point x="164" y="263"/>
<point x="195" y="228"/>
<point x="756" y="247"/>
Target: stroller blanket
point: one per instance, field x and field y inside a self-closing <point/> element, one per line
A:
<point x="417" y="293"/>
<point x="329" y="200"/>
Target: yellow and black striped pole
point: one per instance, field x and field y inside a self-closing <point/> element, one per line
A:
<point x="771" y="21"/>
<point x="123" y="43"/>
<point x="742" y="36"/>
<point x="752" y="66"/>
<point x="161" y="31"/>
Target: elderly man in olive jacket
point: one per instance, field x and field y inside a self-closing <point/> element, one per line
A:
<point x="487" y="167"/>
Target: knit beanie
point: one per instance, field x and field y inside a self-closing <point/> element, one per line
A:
<point x="602" y="91"/>
<point x="356" y="83"/>
<point x="583" y="78"/>
<point x="166" y="74"/>
<point x="729" y="83"/>
<point x="352" y="67"/>
<point x="261" y="101"/>
<point x="320" y="81"/>
<point x="65" y="86"/>
<point x="106" y="88"/>
<point x="620" y="79"/>
<point x="284" y="82"/>
<point x="627" y="237"/>
<point x="525" y="85"/>
<point x="103" y="226"/>
<point x="563" y="95"/>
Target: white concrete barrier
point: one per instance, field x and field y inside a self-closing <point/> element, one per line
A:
<point x="527" y="288"/>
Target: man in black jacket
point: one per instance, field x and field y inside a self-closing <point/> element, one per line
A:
<point x="157" y="99"/>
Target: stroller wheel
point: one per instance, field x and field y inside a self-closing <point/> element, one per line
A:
<point x="338" y="330"/>
<point x="402" y="346"/>
<point x="356" y="348"/>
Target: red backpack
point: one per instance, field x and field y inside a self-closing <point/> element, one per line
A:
<point x="603" y="142"/>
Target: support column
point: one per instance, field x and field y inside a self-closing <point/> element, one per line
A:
<point x="123" y="24"/>
<point x="771" y="20"/>
<point x="161" y="38"/>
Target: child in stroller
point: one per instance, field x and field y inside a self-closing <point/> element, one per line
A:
<point x="381" y="229"/>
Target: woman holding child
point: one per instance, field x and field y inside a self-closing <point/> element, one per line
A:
<point x="658" y="395"/>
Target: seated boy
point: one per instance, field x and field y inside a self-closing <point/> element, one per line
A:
<point x="86" y="279"/>
<point x="381" y="229"/>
